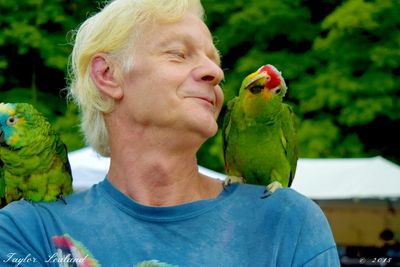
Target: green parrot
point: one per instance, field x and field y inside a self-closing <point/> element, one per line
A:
<point x="259" y="133"/>
<point x="33" y="160"/>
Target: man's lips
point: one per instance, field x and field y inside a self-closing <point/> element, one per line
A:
<point x="205" y="99"/>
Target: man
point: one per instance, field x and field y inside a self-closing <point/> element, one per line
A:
<point x="146" y="76"/>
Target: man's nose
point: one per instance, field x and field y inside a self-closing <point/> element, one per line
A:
<point x="210" y="72"/>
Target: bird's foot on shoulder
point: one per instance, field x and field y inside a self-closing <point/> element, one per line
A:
<point x="271" y="188"/>
<point x="233" y="180"/>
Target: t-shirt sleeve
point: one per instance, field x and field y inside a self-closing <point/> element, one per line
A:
<point x="22" y="236"/>
<point x="316" y="245"/>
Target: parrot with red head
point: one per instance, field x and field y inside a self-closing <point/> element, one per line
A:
<point x="259" y="133"/>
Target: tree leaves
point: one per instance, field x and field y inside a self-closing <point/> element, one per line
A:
<point x="340" y="59"/>
<point x="341" y="67"/>
<point x="34" y="55"/>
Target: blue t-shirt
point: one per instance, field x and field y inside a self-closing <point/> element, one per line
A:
<point x="104" y="227"/>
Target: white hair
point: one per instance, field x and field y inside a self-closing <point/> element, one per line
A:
<point x="114" y="30"/>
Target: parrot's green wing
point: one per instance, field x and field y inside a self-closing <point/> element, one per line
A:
<point x="61" y="176"/>
<point x="226" y="127"/>
<point x="62" y="150"/>
<point x="289" y="139"/>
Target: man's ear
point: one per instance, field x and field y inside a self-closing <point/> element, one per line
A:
<point x="103" y="74"/>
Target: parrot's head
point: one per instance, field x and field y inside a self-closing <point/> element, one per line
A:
<point x="262" y="91"/>
<point x="267" y="82"/>
<point x="20" y="123"/>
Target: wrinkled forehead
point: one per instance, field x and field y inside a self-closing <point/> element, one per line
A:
<point x="189" y="30"/>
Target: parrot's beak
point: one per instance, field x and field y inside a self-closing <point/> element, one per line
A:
<point x="256" y="84"/>
<point x="257" y="79"/>
<point x="1" y="136"/>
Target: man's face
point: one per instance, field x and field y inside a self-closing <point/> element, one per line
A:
<point x="175" y="79"/>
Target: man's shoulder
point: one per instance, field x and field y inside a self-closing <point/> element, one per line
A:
<point x="284" y="202"/>
<point x="18" y="210"/>
<point x="285" y="196"/>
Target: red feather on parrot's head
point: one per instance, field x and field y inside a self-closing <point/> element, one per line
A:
<point x="275" y="77"/>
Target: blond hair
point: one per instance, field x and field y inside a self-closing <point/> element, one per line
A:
<point x="114" y="30"/>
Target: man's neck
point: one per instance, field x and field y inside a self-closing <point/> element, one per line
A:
<point x="156" y="176"/>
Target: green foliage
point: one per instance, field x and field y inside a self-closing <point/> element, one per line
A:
<point x="362" y="51"/>
<point x="35" y="43"/>
<point x="340" y="59"/>
<point x="49" y="105"/>
<point x="323" y="139"/>
<point x="68" y="127"/>
<point x="210" y="154"/>
<point x="356" y="83"/>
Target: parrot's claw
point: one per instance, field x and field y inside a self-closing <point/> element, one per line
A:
<point x="271" y="188"/>
<point x="61" y="197"/>
<point x="233" y="180"/>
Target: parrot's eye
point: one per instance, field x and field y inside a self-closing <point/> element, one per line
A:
<point x="11" y="121"/>
<point x="276" y="91"/>
<point x="256" y="89"/>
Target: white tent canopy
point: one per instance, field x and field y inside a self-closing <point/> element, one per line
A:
<point x="315" y="178"/>
<point x="348" y="178"/>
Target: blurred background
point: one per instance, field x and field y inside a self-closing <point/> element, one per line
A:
<point x="340" y="60"/>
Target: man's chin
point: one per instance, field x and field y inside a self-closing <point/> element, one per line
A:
<point x="210" y="131"/>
